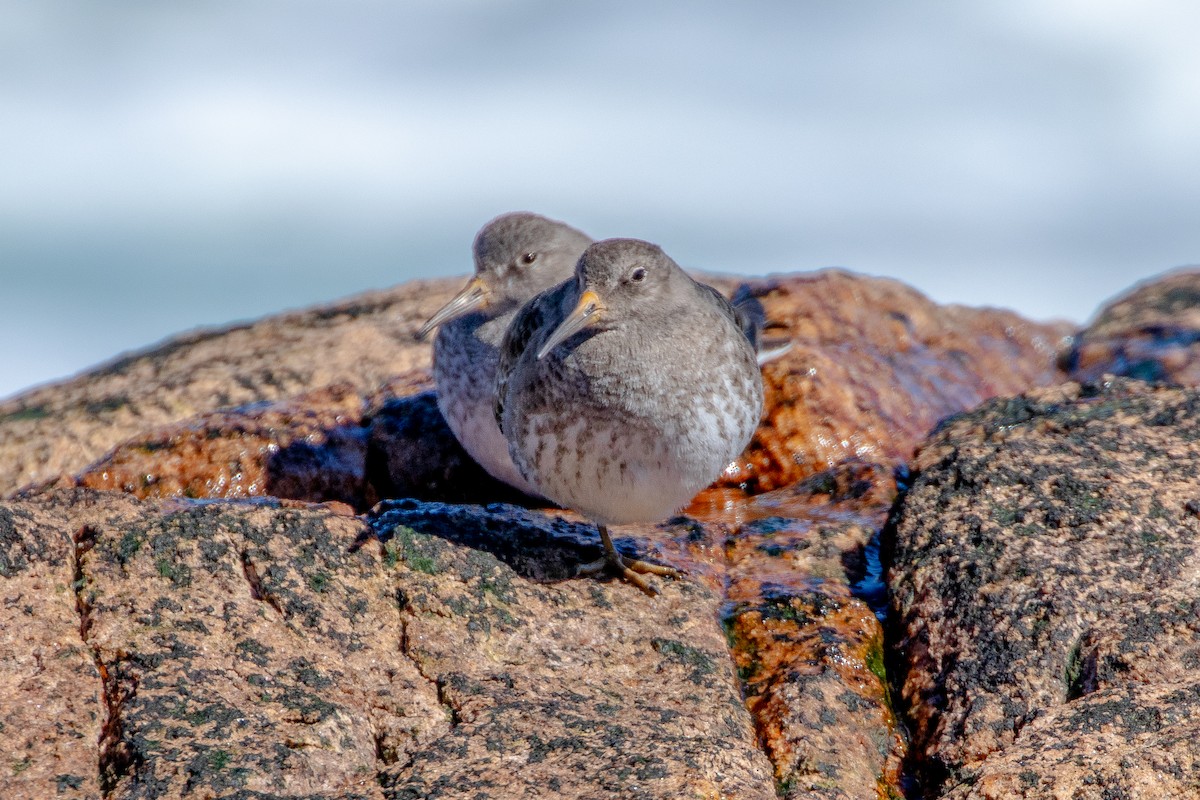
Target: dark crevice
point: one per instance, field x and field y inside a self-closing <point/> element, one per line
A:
<point x="390" y="761"/>
<point x="451" y="710"/>
<point x="437" y="682"/>
<point x="116" y="759"/>
<point x="918" y="778"/>
<point x="257" y="591"/>
<point x="1080" y="678"/>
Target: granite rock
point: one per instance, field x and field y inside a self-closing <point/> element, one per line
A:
<point x="235" y="649"/>
<point x="1044" y="590"/>
<point x="428" y="649"/>
<point x="873" y="366"/>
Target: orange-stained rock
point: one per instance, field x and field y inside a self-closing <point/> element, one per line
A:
<point x="874" y="366"/>
<point x="312" y="447"/>
<point x="800" y="565"/>
<point x="1151" y="332"/>
<point x="812" y="668"/>
<point x="331" y="444"/>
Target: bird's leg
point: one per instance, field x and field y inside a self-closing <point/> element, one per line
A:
<point x="627" y="568"/>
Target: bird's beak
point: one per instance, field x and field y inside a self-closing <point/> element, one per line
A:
<point x="587" y="311"/>
<point x="473" y="296"/>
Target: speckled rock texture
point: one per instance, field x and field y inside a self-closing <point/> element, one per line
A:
<point x="1151" y="332"/>
<point x="231" y="649"/>
<point x="1044" y="584"/>
<point x="220" y="636"/>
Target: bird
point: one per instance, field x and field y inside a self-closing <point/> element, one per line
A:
<point x="626" y="389"/>
<point x="516" y="255"/>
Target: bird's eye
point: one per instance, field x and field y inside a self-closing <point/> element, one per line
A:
<point x="638" y="275"/>
<point x="529" y="258"/>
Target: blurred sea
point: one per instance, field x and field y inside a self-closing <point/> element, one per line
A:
<point x="167" y="166"/>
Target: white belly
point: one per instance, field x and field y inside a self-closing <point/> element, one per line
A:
<point x="616" y="475"/>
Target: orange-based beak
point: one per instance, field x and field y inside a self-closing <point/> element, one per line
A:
<point x="473" y="297"/>
<point x="587" y="311"/>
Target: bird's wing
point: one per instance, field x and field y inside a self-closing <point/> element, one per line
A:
<point x="744" y="310"/>
<point x="751" y="316"/>
<point x="522" y="333"/>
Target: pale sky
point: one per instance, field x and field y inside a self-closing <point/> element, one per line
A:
<point x="168" y="166"/>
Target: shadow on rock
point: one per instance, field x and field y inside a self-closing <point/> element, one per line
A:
<point x="330" y="445"/>
<point x="411" y="452"/>
<point x="537" y="547"/>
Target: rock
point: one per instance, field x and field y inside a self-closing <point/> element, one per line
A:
<point x="312" y="447"/>
<point x="492" y="672"/>
<point x="235" y="649"/>
<point x="1130" y="741"/>
<point x="808" y="648"/>
<point x="1044" y="591"/>
<point x="874" y="365"/>
<point x="325" y="445"/>
<point x="362" y="341"/>
<point x="51" y="704"/>
<point x="1151" y="332"/>
<point x="580" y="688"/>
<point x="411" y="452"/>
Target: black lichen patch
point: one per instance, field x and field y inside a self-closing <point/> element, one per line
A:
<point x="24" y="543"/>
<point x="253" y="651"/>
<point x="699" y="664"/>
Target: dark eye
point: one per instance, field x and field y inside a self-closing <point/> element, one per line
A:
<point x="638" y="275"/>
<point x="529" y="258"/>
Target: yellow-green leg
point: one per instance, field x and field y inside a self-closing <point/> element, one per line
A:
<point x="627" y="568"/>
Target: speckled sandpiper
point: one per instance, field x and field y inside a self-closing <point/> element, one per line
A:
<point x="517" y="256"/>
<point x="626" y="390"/>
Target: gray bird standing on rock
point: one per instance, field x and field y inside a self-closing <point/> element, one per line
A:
<point x="516" y="256"/>
<point x="626" y="390"/>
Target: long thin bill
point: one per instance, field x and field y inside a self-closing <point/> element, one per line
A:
<point x="472" y="297"/>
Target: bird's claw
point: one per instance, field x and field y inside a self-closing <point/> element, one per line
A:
<point x="631" y="569"/>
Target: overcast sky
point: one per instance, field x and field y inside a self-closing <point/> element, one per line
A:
<point x="171" y="165"/>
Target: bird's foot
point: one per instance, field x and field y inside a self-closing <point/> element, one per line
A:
<point x="631" y="569"/>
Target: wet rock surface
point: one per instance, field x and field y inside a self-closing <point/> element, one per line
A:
<point x="1151" y="332"/>
<point x="312" y="447"/>
<point x="807" y="644"/>
<point x="1044" y="588"/>
<point x="242" y="643"/>
<point x="874" y="366"/>
<point x="362" y="341"/>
